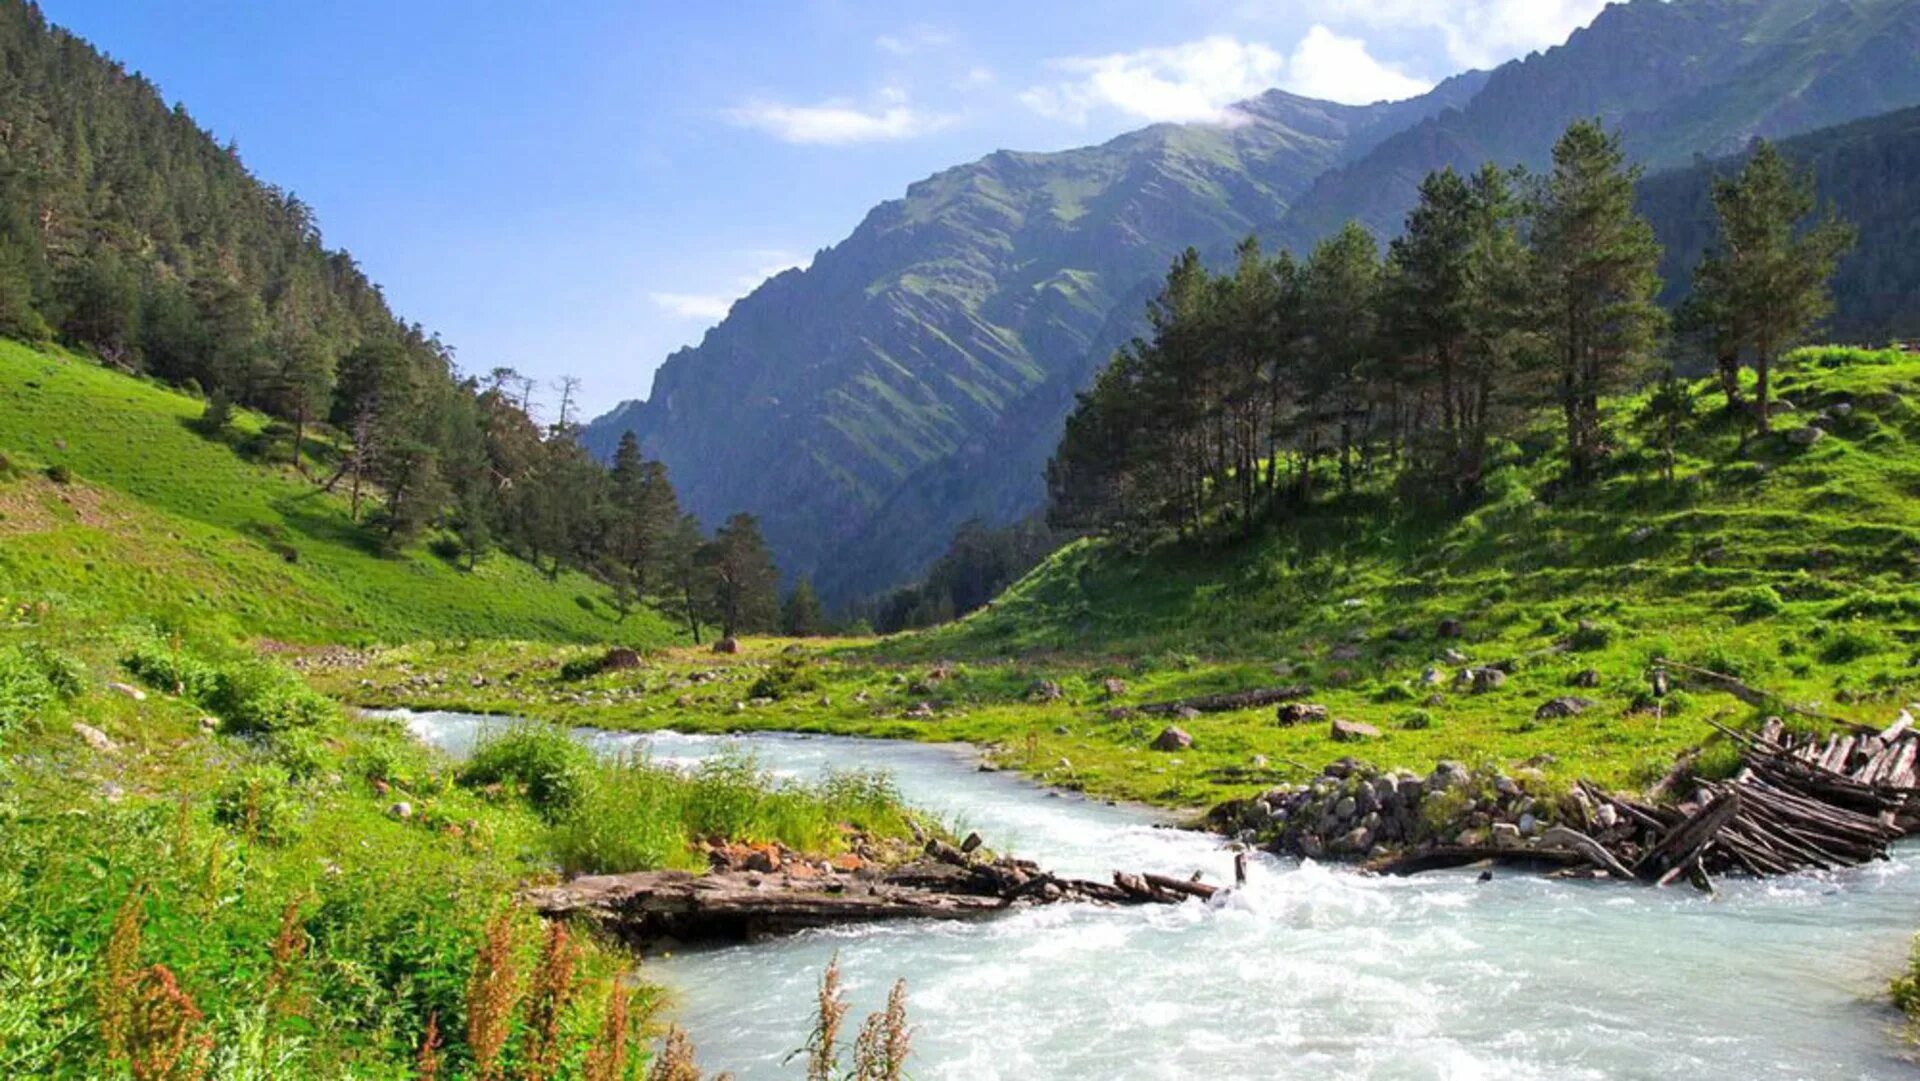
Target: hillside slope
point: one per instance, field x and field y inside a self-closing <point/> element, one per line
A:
<point x="154" y="519"/>
<point x="1693" y="77"/>
<point x="827" y="387"/>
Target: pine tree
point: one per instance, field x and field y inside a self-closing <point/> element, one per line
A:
<point x="1769" y="278"/>
<point x="1595" y="261"/>
<point x="801" y="615"/>
<point x="1341" y="288"/>
<point x="744" y="582"/>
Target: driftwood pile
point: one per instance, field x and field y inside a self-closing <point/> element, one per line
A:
<point x="1798" y="803"/>
<point x="945" y="883"/>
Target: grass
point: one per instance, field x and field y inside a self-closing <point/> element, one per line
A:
<point x="113" y="500"/>
<point x="308" y="893"/>
<point x="1797" y="569"/>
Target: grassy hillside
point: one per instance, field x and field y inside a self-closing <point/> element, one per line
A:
<point x="152" y="517"/>
<point x="1794" y="568"/>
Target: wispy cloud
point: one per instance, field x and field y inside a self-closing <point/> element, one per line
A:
<point x="839" y="122"/>
<point x="1478" y="33"/>
<point x="1195" y="81"/>
<point x="708" y="307"/>
<point x="762" y="263"/>
<point x="1331" y="67"/>
<point x="914" y="40"/>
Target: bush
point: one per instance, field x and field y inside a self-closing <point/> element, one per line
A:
<point x="260" y="696"/>
<point x="25" y="689"/>
<point x="580" y="668"/>
<point x="1417" y="721"/>
<point x="59" y="474"/>
<point x="1758" y="602"/>
<point x="788" y="678"/>
<point x="255" y="803"/>
<point x="171" y="670"/>
<point x="554" y="771"/>
<point x="1590" y="636"/>
<point x="301" y="752"/>
<point x="1850" y="643"/>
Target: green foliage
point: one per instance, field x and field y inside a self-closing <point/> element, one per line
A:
<point x="791" y="676"/>
<point x="554" y="771"/>
<point x="248" y="694"/>
<point x="26" y="686"/>
<point x="257" y="804"/>
<point x="191" y="526"/>
<point x="1757" y="602"/>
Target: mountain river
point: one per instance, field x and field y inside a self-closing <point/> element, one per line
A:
<point x="1310" y="971"/>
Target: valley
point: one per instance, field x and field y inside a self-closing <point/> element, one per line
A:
<point x="1420" y="588"/>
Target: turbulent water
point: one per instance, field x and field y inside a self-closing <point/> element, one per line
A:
<point x="1310" y="971"/>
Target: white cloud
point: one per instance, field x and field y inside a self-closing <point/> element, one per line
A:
<point x="839" y="122"/>
<point x="713" y="307"/>
<point x="916" y="39"/>
<point x="1191" y="82"/>
<point x="704" y="306"/>
<point x="1478" y="33"/>
<point x="1331" y="67"/>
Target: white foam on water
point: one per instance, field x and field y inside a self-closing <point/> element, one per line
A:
<point x="1310" y="970"/>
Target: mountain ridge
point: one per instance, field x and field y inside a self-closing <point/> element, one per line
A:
<point x="913" y="336"/>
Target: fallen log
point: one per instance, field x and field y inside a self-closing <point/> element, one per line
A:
<point x="1222" y="703"/>
<point x="1753" y="696"/>
<point x="1574" y="841"/>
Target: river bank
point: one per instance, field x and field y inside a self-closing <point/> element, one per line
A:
<point x="1310" y="969"/>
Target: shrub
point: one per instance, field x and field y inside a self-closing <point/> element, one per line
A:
<point x="1850" y="643"/>
<point x="25" y="689"/>
<point x="59" y="474"/>
<point x="1590" y="636"/>
<point x="554" y="771"/>
<point x="171" y="670"/>
<point x="1758" y="602"/>
<point x="1906" y="989"/>
<point x="580" y="668"/>
<point x="256" y="804"/>
<point x="1417" y="721"/>
<point x="260" y="696"/>
<point x="789" y="677"/>
<point x="301" y="753"/>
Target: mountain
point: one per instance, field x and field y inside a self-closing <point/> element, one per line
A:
<point x="828" y="388"/>
<point x="919" y="373"/>
<point x="1678" y="78"/>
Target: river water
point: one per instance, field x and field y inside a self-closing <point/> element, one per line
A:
<point x="1311" y="971"/>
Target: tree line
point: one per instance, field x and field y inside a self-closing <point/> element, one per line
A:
<point x="1506" y="293"/>
<point x="127" y="232"/>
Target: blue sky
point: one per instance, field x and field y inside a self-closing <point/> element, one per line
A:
<point x="581" y="188"/>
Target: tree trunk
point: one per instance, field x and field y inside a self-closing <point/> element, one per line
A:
<point x="1762" y="363"/>
<point x="1728" y="364"/>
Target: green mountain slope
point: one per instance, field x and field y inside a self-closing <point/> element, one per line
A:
<point x="1794" y="568"/>
<point x="149" y="518"/>
<point x="827" y="388"/>
<point x="1679" y="79"/>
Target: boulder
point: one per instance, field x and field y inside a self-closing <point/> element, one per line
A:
<point x="1300" y="713"/>
<point x="1452" y="628"/>
<point x="922" y="711"/>
<point x="1353" y="732"/>
<point x="403" y="809"/>
<point x="1402" y="634"/>
<point x="1841" y="409"/>
<point x="619" y="658"/>
<point x="1432" y="677"/>
<point x="1043" y="690"/>
<point x="1113" y="688"/>
<point x="1506" y="835"/>
<point x="1447" y="775"/>
<point x="1564" y="706"/>
<point x="94" y="738"/>
<point x="1454" y="656"/>
<point x="728" y="645"/>
<point x="1805" y="437"/>
<point x="1172" y="739"/>
<point x="1588" y="678"/>
<point x="128" y="690"/>
<point x="1483" y="679"/>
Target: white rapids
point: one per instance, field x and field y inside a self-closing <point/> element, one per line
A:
<point x="1310" y="971"/>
